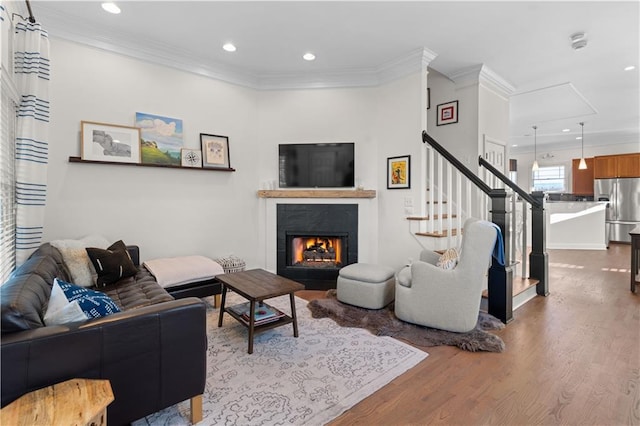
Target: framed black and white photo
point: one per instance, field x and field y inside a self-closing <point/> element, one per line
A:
<point x="215" y="151"/>
<point x="447" y="113"/>
<point x="109" y="142"/>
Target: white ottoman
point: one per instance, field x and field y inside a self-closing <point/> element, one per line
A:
<point x="366" y="285"/>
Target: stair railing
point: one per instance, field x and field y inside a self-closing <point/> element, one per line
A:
<point x="500" y="280"/>
<point x="538" y="258"/>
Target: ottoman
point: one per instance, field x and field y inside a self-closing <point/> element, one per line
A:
<point x="366" y="285"/>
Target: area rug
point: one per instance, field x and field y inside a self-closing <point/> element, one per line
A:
<point x="308" y="380"/>
<point x="383" y="322"/>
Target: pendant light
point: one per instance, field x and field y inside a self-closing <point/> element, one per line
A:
<point x="583" y="164"/>
<point x="535" y="161"/>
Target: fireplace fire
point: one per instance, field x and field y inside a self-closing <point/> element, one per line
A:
<point x="316" y="252"/>
<point x="314" y="241"/>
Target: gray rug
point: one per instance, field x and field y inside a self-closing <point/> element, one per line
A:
<point x="383" y="322"/>
<point x="308" y="380"/>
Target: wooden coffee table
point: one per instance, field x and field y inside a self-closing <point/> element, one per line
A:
<point x="256" y="285"/>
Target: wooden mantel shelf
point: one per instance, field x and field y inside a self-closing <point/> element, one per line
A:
<point x="317" y="193"/>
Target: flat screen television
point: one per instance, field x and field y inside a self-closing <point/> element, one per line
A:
<point x="316" y="165"/>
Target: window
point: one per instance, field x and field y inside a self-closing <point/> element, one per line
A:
<point x="549" y="179"/>
<point x="7" y="187"/>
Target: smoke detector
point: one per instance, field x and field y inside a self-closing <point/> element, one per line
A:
<point x="578" y="41"/>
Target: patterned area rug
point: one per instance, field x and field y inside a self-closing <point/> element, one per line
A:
<point x="290" y="381"/>
<point x="383" y="322"/>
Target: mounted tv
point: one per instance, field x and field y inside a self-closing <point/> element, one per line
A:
<point x="316" y="165"/>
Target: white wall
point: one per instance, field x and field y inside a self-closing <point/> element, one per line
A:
<point x="399" y="124"/>
<point x="168" y="212"/>
<point x="321" y="115"/>
<point x="173" y="212"/>
<point x="461" y="138"/>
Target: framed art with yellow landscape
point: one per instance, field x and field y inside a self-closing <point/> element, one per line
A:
<point x="215" y="151"/>
<point x="399" y="172"/>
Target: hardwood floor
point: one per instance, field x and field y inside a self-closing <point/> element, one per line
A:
<point x="571" y="358"/>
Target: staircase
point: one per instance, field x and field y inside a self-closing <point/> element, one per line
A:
<point x="455" y="193"/>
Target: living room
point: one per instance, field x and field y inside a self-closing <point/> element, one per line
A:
<point x="171" y="212"/>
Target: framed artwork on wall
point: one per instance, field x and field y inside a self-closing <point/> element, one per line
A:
<point x="190" y="157"/>
<point x="215" y="151"/>
<point x="399" y="172"/>
<point x="428" y="98"/>
<point x="161" y="139"/>
<point x="447" y="113"/>
<point x="109" y="142"/>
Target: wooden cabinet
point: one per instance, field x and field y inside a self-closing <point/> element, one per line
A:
<point x="611" y="166"/>
<point x="628" y="165"/>
<point x="582" y="179"/>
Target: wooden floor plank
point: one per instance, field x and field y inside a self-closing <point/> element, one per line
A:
<point x="571" y="358"/>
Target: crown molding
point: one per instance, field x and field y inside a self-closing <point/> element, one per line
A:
<point x="150" y="51"/>
<point x="484" y="75"/>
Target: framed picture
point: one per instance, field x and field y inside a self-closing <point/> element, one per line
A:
<point x="109" y="142"/>
<point x="215" y="151"/>
<point x="190" y="158"/>
<point x="447" y="113"/>
<point x="428" y="98"/>
<point x="161" y="139"/>
<point x="399" y="172"/>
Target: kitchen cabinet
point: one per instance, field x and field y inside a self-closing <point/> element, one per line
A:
<point x="629" y="165"/>
<point x="582" y="180"/>
<point x="612" y="166"/>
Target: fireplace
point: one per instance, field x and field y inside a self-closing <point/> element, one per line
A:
<point x="315" y="241"/>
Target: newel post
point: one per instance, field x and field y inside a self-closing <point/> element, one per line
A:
<point x="500" y="276"/>
<point x="538" y="258"/>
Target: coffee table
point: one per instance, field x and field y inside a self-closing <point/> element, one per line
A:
<point x="256" y="285"/>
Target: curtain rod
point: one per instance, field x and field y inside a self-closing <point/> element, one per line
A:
<point x="31" y="18"/>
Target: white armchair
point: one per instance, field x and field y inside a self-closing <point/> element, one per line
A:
<point x="447" y="299"/>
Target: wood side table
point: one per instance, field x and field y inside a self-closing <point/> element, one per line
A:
<point x="76" y="402"/>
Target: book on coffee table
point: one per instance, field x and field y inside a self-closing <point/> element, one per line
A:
<point x="262" y="314"/>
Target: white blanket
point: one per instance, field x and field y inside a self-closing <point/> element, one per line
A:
<point x="173" y="271"/>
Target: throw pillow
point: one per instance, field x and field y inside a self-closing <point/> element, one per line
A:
<point x="60" y="310"/>
<point x="94" y="304"/>
<point x="76" y="259"/>
<point x="448" y="259"/>
<point x="111" y="264"/>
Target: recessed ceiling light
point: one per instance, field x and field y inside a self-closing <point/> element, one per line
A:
<point x="308" y="56"/>
<point x="229" y="47"/>
<point x="566" y="130"/>
<point x="629" y="68"/>
<point x="579" y="137"/>
<point x="514" y="145"/>
<point x="111" y="7"/>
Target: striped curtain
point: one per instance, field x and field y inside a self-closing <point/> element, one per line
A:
<point x="32" y="142"/>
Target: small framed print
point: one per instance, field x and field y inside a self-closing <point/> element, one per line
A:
<point x="428" y="98"/>
<point x="399" y="172"/>
<point x="109" y="142"/>
<point x="447" y="113"/>
<point x="215" y="151"/>
<point x="190" y="157"/>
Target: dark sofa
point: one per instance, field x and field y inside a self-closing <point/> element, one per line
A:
<point x="153" y="352"/>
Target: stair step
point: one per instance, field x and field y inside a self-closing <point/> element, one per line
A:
<point x="519" y="285"/>
<point x="443" y="234"/>
<point x="444" y="216"/>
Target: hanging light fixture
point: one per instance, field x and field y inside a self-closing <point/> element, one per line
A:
<point x="535" y="161"/>
<point x="583" y="164"/>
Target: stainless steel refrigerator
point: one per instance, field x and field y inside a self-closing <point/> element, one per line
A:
<point x="623" y="212"/>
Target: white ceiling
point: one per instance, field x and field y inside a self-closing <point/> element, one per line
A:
<point x="526" y="44"/>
